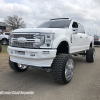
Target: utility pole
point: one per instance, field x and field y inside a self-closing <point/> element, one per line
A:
<point x="97" y="32"/>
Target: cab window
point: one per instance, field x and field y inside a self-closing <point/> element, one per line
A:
<point x="75" y="25"/>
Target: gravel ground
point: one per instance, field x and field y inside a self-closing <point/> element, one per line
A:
<point x="85" y="84"/>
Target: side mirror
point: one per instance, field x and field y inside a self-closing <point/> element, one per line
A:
<point x="75" y="30"/>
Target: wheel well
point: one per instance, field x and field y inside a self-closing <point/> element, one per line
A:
<point x="63" y="47"/>
<point x="91" y="45"/>
<point x="4" y="39"/>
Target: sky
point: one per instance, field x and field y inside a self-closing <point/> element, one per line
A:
<point x="35" y="12"/>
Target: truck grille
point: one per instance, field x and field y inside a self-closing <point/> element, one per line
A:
<point x="23" y="45"/>
<point x="27" y="36"/>
<point x="30" y="41"/>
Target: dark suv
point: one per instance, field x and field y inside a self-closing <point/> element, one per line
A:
<point x="96" y="40"/>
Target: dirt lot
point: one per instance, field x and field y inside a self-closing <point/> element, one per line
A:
<point x="85" y="84"/>
<point x="4" y="62"/>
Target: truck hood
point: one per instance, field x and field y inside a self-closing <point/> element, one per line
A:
<point x="4" y="36"/>
<point x="38" y="30"/>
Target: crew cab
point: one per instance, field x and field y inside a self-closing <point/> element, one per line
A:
<point x="4" y="38"/>
<point x="51" y="46"/>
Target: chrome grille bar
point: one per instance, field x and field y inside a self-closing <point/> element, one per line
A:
<point x="30" y="40"/>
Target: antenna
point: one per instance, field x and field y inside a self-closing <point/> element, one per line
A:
<point x="89" y="32"/>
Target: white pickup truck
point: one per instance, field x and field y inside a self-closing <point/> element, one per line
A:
<point x="51" y="46"/>
<point x="4" y="38"/>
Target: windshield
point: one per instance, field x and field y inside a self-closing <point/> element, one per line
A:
<point x="55" y="24"/>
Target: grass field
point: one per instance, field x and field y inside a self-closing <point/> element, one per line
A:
<point x="4" y="49"/>
<point x="4" y="59"/>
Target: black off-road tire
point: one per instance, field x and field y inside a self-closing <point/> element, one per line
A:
<point x="15" y="67"/>
<point x="4" y="41"/>
<point x="90" y="55"/>
<point x="58" y="68"/>
<point x="0" y="48"/>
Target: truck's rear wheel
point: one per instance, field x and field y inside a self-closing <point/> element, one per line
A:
<point x="4" y="41"/>
<point x="14" y="66"/>
<point x="0" y="48"/>
<point x="90" y="55"/>
<point x="63" y="68"/>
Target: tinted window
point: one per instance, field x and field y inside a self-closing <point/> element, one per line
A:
<point x="75" y="25"/>
<point x="55" y="24"/>
<point x="7" y="33"/>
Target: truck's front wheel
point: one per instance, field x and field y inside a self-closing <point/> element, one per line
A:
<point x="14" y="66"/>
<point x="4" y="41"/>
<point x="63" y="68"/>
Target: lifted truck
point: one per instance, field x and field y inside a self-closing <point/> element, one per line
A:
<point x="51" y="45"/>
<point x="4" y="38"/>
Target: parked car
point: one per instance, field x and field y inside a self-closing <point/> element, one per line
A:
<point x="96" y="40"/>
<point x="0" y="48"/>
<point x="4" y="38"/>
<point x="51" y="46"/>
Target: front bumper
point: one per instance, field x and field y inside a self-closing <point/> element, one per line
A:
<point x="33" y="57"/>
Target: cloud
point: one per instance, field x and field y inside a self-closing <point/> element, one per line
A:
<point x="10" y="9"/>
<point x="35" y="12"/>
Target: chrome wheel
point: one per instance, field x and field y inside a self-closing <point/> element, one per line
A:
<point x="21" y="66"/>
<point x="4" y="42"/>
<point x="69" y="69"/>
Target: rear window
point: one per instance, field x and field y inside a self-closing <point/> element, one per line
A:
<point x="55" y="24"/>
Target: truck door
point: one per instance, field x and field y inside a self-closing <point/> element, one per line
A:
<point x="76" y="40"/>
<point x="83" y="37"/>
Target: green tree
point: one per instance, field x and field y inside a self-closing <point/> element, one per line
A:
<point x="14" y="22"/>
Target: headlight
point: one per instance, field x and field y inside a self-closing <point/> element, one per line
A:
<point x="42" y="40"/>
<point x="10" y="39"/>
<point x="45" y="39"/>
<point x="49" y="38"/>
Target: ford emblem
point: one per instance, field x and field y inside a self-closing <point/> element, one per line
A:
<point x="21" y="40"/>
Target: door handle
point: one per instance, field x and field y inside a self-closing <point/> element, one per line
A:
<point x="80" y="37"/>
